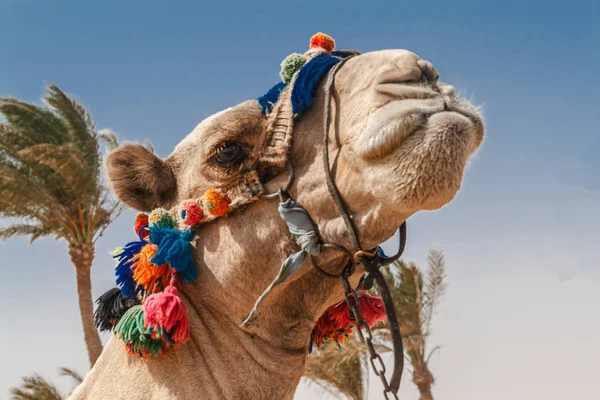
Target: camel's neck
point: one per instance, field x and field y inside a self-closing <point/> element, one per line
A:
<point x="266" y="359"/>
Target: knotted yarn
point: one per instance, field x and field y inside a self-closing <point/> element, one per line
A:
<point x="124" y="257"/>
<point x="150" y="276"/>
<point x="165" y="313"/>
<point x="112" y="305"/>
<point x="305" y="231"/>
<point x="174" y="248"/>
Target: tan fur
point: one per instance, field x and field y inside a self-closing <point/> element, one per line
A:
<point x="390" y="159"/>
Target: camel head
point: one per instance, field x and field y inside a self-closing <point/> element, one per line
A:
<point x="399" y="142"/>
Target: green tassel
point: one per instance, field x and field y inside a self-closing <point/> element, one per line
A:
<point x="290" y="65"/>
<point x="137" y="340"/>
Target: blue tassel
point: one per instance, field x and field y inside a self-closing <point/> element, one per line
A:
<point x="174" y="247"/>
<point x="307" y="82"/>
<point x="267" y="100"/>
<point x="123" y="270"/>
<point x="381" y="252"/>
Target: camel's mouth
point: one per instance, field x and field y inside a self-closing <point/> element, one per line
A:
<point x="427" y="119"/>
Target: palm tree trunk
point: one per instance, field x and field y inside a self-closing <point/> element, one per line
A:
<point x="425" y="392"/>
<point x="82" y="255"/>
<point x="423" y="379"/>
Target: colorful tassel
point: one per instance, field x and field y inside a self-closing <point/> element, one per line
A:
<point x="165" y="313"/>
<point x="323" y="41"/>
<point x="150" y="276"/>
<point x="337" y="324"/>
<point x="132" y="331"/>
<point x="123" y="271"/>
<point x="112" y="305"/>
<point x="190" y="212"/>
<point x="161" y="218"/>
<point x="141" y="226"/>
<point x="174" y="248"/>
<point x="290" y="65"/>
<point x="216" y="203"/>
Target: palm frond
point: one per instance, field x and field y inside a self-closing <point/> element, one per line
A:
<point x="71" y="373"/>
<point x="35" y="231"/>
<point x="35" y="387"/>
<point x="40" y="125"/>
<point x="109" y="138"/>
<point x="435" y="287"/>
<point x="50" y="170"/>
<point x="79" y="121"/>
<point x="341" y="369"/>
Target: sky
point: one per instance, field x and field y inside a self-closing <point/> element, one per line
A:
<point x="521" y="239"/>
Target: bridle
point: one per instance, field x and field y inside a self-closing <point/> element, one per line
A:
<point x="370" y="259"/>
<point x="150" y="269"/>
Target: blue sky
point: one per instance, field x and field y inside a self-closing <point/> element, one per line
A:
<point x="521" y="239"/>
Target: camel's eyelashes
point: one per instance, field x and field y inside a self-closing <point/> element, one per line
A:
<point x="229" y="155"/>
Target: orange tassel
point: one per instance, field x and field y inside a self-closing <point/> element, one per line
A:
<point x="149" y="275"/>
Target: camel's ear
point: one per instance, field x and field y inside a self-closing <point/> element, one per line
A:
<point x="140" y="179"/>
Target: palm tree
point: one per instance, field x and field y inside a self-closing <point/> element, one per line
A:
<point x="35" y="387"/>
<point x="342" y="372"/>
<point x="50" y="185"/>
<point x="415" y="301"/>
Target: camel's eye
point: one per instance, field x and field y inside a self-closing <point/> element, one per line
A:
<point x="229" y="155"/>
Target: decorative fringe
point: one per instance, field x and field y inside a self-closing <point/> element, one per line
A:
<point x="112" y="305"/>
<point x="141" y="226"/>
<point x="337" y="324"/>
<point x="123" y="271"/>
<point x="167" y="317"/>
<point x="174" y="248"/>
<point x="269" y="99"/>
<point x="132" y="331"/>
<point x="150" y="276"/>
<point x="307" y="81"/>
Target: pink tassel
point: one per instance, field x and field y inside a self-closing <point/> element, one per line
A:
<point x="165" y="311"/>
<point x="371" y="308"/>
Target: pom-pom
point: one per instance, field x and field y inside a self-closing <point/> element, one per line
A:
<point x="174" y="248"/>
<point x="190" y="212"/>
<point x="216" y="203"/>
<point x="323" y="41"/>
<point x="147" y="274"/>
<point x="161" y="218"/>
<point x="166" y="316"/>
<point x="141" y="226"/>
<point x="132" y="331"/>
<point x="290" y="65"/>
<point x="337" y="324"/>
<point x="123" y="271"/>
<point x="112" y="305"/>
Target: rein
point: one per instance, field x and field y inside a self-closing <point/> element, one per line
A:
<point x="371" y="260"/>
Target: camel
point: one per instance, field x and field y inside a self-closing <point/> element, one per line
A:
<point x="399" y="143"/>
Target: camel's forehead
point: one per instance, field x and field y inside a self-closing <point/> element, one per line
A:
<point x="194" y="137"/>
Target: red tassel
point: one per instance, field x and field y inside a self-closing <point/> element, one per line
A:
<point x="165" y="312"/>
<point x="335" y="324"/>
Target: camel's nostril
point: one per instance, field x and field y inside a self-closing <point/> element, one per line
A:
<point x="429" y="71"/>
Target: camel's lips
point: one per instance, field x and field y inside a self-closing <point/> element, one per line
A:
<point x="392" y="124"/>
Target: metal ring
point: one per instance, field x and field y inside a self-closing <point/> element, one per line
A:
<point x="357" y="256"/>
<point x="337" y="247"/>
<point x="287" y="186"/>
